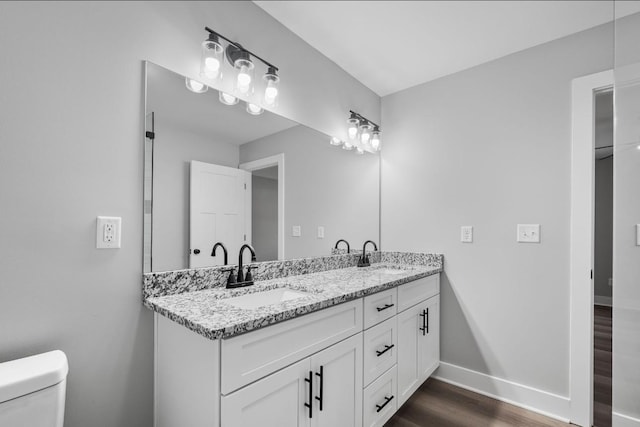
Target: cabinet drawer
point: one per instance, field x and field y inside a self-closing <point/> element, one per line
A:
<point x="256" y="354"/>
<point x="412" y="293"/>
<point x="380" y="401"/>
<point x="380" y="306"/>
<point x="380" y="349"/>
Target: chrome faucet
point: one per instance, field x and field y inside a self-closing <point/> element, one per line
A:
<point x="241" y="279"/>
<point x="347" y="243"/>
<point x="364" y="259"/>
<point x="213" y="252"/>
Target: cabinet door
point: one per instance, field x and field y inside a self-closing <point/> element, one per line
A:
<point x="275" y="401"/>
<point x="429" y="339"/>
<point x="409" y="340"/>
<point x="338" y="387"/>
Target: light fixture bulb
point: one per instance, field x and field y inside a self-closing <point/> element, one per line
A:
<point x="365" y="137"/>
<point x="195" y="86"/>
<point x="212" y="65"/>
<point x="347" y="146"/>
<point x="254" y="109"/>
<point x="335" y="141"/>
<point x="365" y="132"/>
<point x="353" y="132"/>
<point x="244" y="78"/>
<point x="211" y="62"/>
<point x="353" y="123"/>
<point x="375" y="139"/>
<point x="271" y="91"/>
<point x="227" y="99"/>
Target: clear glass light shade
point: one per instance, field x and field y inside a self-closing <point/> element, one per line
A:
<point x="335" y="141"/>
<point x="195" y="86"/>
<point x="271" y="89"/>
<point x="244" y="76"/>
<point x="211" y="61"/>
<point x="254" y="109"/>
<point x="227" y="99"/>
<point x="352" y="129"/>
<point x="375" y="140"/>
<point x="365" y="133"/>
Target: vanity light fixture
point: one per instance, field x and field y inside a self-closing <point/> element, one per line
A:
<point x="195" y="86"/>
<point x="243" y="63"/>
<point x="363" y="133"/>
<point x="253" y="109"/>
<point x="227" y="99"/>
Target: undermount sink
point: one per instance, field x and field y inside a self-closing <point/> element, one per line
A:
<point x="260" y="299"/>
<point x="383" y="269"/>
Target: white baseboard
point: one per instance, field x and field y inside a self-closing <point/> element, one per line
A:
<point x="619" y="420"/>
<point x="540" y="401"/>
<point x="599" y="300"/>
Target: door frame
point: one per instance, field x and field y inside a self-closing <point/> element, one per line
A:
<point x="275" y="160"/>
<point x="582" y="243"/>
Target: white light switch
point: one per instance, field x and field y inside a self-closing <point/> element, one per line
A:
<point x="108" y="231"/>
<point x="466" y="234"/>
<point x="320" y="232"/>
<point x="637" y="234"/>
<point x="529" y="233"/>
<point x="296" y="231"/>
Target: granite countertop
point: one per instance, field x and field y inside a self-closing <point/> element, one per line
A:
<point x="206" y="312"/>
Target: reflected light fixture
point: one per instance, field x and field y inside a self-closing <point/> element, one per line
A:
<point x="364" y="133"/>
<point x="195" y="86"/>
<point x="227" y="99"/>
<point x="243" y="63"/>
<point x="335" y="141"/>
<point x="253" y="109"/>
<point x="359" y="151"/>
<point x="348" y="146"/>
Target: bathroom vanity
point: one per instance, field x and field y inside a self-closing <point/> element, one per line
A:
<point x="342" y="347"/>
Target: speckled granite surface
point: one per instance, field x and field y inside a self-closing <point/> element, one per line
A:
<point x="207" y="313"/>
<point x="180" y="281"/>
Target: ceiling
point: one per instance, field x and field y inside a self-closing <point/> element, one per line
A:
<point x="394" y="45"/>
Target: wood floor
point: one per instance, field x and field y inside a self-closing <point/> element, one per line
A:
<point x="443" y="405"/>
<point x="602" y="366"/>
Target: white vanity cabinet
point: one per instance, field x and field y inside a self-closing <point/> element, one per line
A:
<point x="350" y="365"/>
<point x="322" y="390"/>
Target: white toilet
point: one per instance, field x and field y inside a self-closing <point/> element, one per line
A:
<point x="32" y="390"/>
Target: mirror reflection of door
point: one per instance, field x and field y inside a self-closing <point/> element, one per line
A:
<point x="220" y="211"/>
<point x="264" y="213"/>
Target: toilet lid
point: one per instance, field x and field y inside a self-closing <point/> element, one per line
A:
<point x="23" y="376"/>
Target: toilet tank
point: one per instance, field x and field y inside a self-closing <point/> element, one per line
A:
<point x="32" y="390"/>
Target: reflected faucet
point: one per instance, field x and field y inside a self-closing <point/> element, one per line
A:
<point x="213" y="252"/>
<point x="348" y="247"/>
<point x="243" y="280"/>
<point x="364" y="259"/>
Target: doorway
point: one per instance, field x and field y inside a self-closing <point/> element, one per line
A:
<point x="268" y="182"/>
<point x="603" y="258"/>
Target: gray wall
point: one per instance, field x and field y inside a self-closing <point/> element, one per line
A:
<point x="490" y="147"/>
<point x="264" y="217"/>
<point x="324" y="186"/>
<point x="71" y="149"/>
<point x="603" y="236"/>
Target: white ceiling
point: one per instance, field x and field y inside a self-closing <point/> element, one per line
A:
<point x="393" y="45"/>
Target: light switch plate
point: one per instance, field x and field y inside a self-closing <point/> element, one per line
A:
<point x="320" y="232"/>
<point x="466" y="234"/>
<point x="108" y="231"/>
<point x="296" y="231"/>
<point x="528" y="233"/>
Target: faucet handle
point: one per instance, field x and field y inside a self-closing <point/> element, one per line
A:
<point x="249" y="276"/>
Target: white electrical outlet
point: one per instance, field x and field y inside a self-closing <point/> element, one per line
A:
<point x="466" y="234"/>
<point x="296" y="231"/>
<point x="320" y="232"/>
<point x="528" y="233"/>
<point x="108" y="231"/>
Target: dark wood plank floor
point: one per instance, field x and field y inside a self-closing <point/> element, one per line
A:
<point x="444" y="405"/>
<point x="602" y="366"/>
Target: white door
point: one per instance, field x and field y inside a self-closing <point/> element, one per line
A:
<point x="275" y="401"/>
<point x="338" y="386"/>
<point x="429" y="340"/>
<point x="220" y="211"/>
<point x="409" y="339"/>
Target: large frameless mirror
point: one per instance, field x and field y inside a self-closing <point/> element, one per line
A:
<point x="217" y="172"/>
